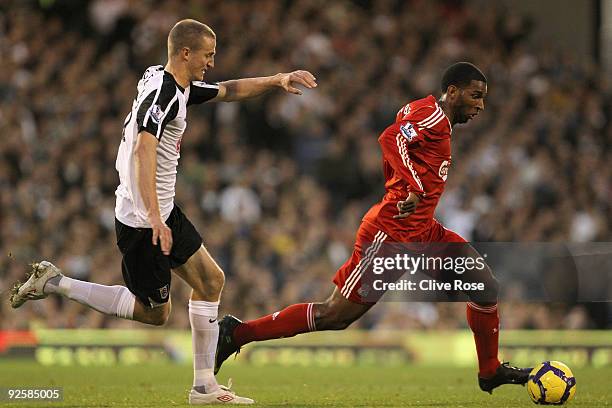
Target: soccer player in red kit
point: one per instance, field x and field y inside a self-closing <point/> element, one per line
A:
<point x="416" y="159"/>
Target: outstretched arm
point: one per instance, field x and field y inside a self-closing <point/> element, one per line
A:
<point x="238" y="89"/>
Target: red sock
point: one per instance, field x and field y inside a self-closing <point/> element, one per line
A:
<point x="484" y="322"/>
<point x="290" y="321"/>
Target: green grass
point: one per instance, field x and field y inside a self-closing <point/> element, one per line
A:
<point x="167" y="385"/>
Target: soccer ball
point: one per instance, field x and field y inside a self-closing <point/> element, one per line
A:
<point x="551" y="383"/>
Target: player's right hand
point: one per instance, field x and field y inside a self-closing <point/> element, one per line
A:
<point x="304" y="78"/>
<point x="407" y="207"/>
<point x="161" y="233"/>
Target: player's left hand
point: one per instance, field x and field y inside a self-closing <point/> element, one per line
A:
<point x="305" y="78"/>
<point x="407" y="206"/>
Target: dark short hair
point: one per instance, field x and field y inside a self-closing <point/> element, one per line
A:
<point x="461" y="74"/>
<point x="187" y="33"/>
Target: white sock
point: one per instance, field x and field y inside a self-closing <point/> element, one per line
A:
<point x="111" y="300"/>
<point x="204" y="334"/>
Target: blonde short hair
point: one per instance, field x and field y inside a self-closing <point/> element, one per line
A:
<point x="188" y="33"/>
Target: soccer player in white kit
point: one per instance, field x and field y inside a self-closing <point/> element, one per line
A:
<point x="153" y="234"/>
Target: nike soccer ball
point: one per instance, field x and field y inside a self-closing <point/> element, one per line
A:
<point x="551" y="383"/>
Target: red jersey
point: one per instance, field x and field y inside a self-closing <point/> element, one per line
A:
<point x="416" y="158"/>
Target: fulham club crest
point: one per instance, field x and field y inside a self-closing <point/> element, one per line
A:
<point x="163" y="292"/>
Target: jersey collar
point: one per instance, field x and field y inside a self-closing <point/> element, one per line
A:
<point x="174" y="80"/>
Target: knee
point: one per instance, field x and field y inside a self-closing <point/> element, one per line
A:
<point x="328" y="317"/>
<point x="218" y="281"/>
<point x="489" y="295"/>
<point x="210" y="283"/>
<point x="492" y="289"/>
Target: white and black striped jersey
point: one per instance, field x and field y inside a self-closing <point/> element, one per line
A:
<point x="160" y="108"/>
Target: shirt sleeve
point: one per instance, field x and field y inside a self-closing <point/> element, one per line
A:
<point x="201" y="92"/>
<point x="157" y="109"/>
<point x="427" y="118"/>
<point x="395" y="142"/>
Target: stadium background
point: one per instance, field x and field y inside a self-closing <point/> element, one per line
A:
<point x="277" y="185"/>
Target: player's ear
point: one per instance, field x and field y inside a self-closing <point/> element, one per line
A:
<point x="452" y="92"/>
<point x="185" y="53"/>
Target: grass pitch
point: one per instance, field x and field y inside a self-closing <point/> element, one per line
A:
<point x="274" y="386"/>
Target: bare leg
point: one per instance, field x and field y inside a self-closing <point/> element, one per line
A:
<point x="204" y="275"/>
<point x="156" y="316"/>
<point x="337" y="312"/>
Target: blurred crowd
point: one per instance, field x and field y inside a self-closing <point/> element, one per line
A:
<point x="277" y="185"/>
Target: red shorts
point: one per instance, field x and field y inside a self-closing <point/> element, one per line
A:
<point x="369" y="243"/>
